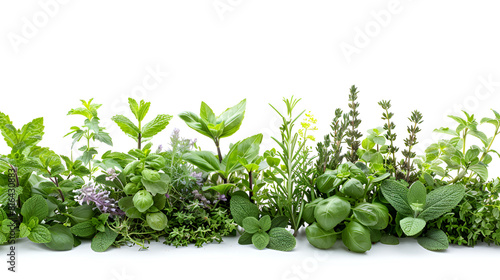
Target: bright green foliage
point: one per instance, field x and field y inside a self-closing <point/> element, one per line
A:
<point x="62" y="238"/>
<point x="320" y="238"/>
<point x="419" y="207"/>
<point x="281" y="239"/>
<point x="242" y="208"/>
<point x="103" y="240"/>
<point x="141" y="133"/>
<point x="356" y="237"/>
<point x="216" y="127"/>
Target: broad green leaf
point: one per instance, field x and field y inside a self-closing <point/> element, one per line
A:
<point x="241" y="208"/>
<point x="62" y="238"/>
<point x="232" y="118"/>
<point x="40" y="234"/>
<point x="143" y="110"/>
<point x="134" y="107"/>
<point x="204" y="160"/>
<point x="325" y="182"/>
<point x="7" y="225"/>
<point x="480" y="135"/>
<point x="434" y="240"/>
<point x="365" y="214"/>
<point x="222" y="188"/>
<point x="3" y="238"/>
<point x="331" y="211"/>
<point x="85" y="229"/>
<point x="308" y="213"/>
<point x="143" y="200"/>
<point x="353" y="188"/>
<point x="412" y="226"/>
<point x="126" y="125"/>
<point x="158" y="187"/>
<point x="196" y="123"/>
<point x="36" y="206"/>
<point x="247" y="149"/>
<point x="9" y="135"/>
<point x="396" y="193"/>
<point x="151" y="175"/>
<point x="32" y="132"/>
<point x="319" y="237"/>
<point x="356" y="237"/>
<point x="81" y="213"/>
<point x="24" y="231"/>
<point x="416" y="196"/>
<point x="481" y="170"/>
<point x="442" y="200"/>
<point x="207" y="114"/>
<point x="260" y="240"/>
<point x="157" y="221"/>
<point x="446" y="130"/>
<point x="389" y="240"/>
<point x="251" y="225"/>
<point x="245" y="239"/>
<point x="156" y="126"/>
<point x="281" y="239"/>
<point x="280" y="221"/>
<point x="265" y="223"/>
<point x="103" y="240"/>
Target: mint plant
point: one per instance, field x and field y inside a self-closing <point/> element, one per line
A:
<point x="90" y="131"/>
<point x="141" y="133"/>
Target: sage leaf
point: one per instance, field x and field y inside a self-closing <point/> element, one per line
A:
<point x="434" y="240"/>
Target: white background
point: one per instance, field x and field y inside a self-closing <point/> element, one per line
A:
<point x="435" y="56"/>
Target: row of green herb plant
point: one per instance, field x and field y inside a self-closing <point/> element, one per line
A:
<point x="362" y="190"/>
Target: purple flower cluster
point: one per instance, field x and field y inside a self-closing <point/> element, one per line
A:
<point x="198" y="177"/>
<point x="96" y="194"/>
<point x="204" y="202"/>
<point x="111" y="174"/>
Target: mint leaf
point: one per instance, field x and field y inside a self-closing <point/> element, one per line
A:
<point x="3" y="238"/>
<point x="126" y="126"/>
<point x="40" y="234"/>
<point x="103" y="240"/>
<point x="36" y="206"/>
<point x="155" y="126"/>
<point x="85" y="229"/>
<point x="143" y="110"/>
<point x="62" y="238"/>
<point x="23" y="231"/>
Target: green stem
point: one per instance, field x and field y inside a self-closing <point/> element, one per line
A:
<point x="489" y="146"/>
<point x="250" y="185"/>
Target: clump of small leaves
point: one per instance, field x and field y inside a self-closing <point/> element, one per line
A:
<point x="330" y="150"/>
<point x="352" y="134"/>
<point x="406" y="165"/>
<point x="390" y="135"/>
